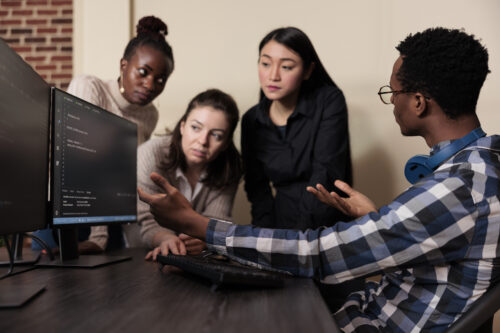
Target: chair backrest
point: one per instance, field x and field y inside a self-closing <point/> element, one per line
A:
<point x="481" y="312"/>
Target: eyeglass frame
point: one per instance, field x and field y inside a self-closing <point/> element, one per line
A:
<point x="395" y="92"/>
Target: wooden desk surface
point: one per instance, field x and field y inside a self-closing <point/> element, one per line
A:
<point x="135" y="296"/>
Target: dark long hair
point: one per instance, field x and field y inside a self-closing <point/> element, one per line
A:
<point x="151" y="31"/>
<point x="297" y="41"/>
<point x="226" y="169"/>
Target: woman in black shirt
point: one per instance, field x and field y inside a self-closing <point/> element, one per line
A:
<point x="295" y="137"/>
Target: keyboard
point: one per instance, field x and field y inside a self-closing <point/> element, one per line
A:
<point x="220" y="270"/>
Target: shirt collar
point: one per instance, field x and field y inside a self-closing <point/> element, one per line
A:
<point x="180" y="175"/>
<point x="437" y="147"/>
<point x="185" y="188"/>
<point x="303" y="107"/>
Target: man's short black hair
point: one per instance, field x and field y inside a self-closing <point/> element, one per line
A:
<point x="447" y="65"/>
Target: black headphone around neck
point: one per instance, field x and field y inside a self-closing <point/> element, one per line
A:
<point x="420" y="166"/>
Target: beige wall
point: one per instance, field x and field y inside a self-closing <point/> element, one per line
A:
<point x="101" y="32"/>
<point x="215" y="45"/>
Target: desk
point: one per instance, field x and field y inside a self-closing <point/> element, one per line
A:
<point x="135" y="296"/>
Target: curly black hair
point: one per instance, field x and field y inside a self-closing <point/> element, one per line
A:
<point x="151" y="31"/>
<point x="447" y="65"/>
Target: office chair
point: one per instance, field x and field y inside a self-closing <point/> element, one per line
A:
<point x="479" y="318"/>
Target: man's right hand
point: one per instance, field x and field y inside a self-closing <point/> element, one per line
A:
<point x="173" y="211"/>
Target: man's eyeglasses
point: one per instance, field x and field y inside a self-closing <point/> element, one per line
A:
<point x="385" y="94"/>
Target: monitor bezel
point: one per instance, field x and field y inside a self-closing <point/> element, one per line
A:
<point x="42" y="221"/>
<point x="53" y="92"/>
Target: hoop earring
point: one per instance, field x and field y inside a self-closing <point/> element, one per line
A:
<point x="122" y="90"/>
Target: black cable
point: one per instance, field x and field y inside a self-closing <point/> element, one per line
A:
<point x="11" y="258"/>
<point x="42" y="243"/>
<point x="29" y="268"/>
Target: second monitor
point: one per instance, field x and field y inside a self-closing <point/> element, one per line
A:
<point x="93" y="168"/>
<point x="94" y="164"/>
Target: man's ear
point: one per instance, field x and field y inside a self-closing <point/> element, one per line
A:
<point x="420" y="104"/>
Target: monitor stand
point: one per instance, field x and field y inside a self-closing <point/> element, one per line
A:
<point x="14" y="295"/>
<point x="69" y="256"/>
<point x="22" y="256"/>
<point x="14" y="291"/>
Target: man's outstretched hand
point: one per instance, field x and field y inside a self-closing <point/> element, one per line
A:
<point x="356" y="204"/>
<point x="172" y="210"/>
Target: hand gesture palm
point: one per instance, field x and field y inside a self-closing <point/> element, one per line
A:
<point x="356" y="204"/>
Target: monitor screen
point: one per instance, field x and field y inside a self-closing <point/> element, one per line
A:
<point x="94" y="164"/>
<point x="24" y="145"/>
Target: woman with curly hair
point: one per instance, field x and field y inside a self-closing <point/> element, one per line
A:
<point x="144" y="69"/>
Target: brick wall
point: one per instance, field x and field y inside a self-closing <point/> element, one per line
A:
<point x="41" y="31"/>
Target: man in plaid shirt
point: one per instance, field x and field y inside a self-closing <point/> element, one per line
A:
<point x="436" y="245"/>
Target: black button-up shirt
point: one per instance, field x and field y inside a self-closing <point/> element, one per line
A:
<point x="315" y="149"/>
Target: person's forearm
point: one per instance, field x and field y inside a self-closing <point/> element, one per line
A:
<point x="172" y="210"/>
<point x="195" y="226"/>
<point x="188" y="222"/>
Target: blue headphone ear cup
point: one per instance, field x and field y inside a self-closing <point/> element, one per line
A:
<point x="420" y="166"/>
<point x="417" y="168"/>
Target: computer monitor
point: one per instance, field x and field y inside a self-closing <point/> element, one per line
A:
<point x="93" y="181"/>
<point x="24" y="147"/>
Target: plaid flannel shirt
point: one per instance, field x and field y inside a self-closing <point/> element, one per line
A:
<point x="436" y="247"/>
